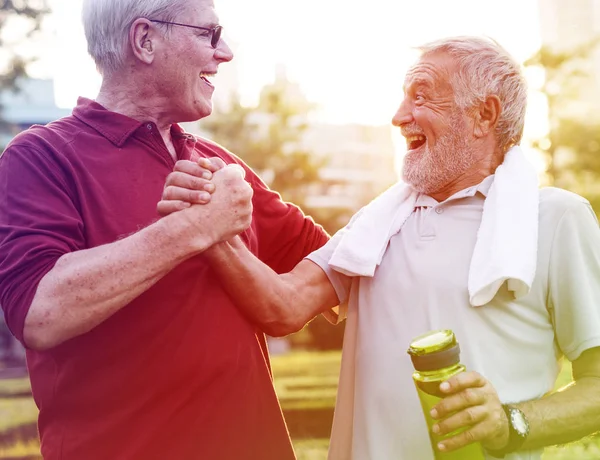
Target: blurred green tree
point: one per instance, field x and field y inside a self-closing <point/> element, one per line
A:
<point x="572" y="146"/>
<point x="20" y="20"/>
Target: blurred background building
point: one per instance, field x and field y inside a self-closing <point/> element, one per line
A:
<point x="32" y="103"/>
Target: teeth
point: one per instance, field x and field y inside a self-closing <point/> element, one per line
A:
<point x="415" y="138"/>
<point x="207" y="75"/>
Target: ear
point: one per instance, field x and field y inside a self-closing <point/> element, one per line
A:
<point x="142" y="39"/>
<point x="486" y="116"/>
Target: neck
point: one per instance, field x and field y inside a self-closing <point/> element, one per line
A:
<point x="485" y="166"/>
<point x="137" y="101"/>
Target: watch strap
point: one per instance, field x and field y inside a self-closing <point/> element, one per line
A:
<point x="515" y="439"/>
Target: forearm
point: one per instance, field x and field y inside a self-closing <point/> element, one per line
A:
<point x="564" y="416"/>
<point x="86" y="287"/>
<point x="278" y="304"/>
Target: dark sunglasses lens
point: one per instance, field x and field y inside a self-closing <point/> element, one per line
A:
<point x="216" y="36"/>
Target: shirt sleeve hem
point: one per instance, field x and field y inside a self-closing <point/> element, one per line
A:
<point x="337" y="314"/>
<point x="575" y="352"/>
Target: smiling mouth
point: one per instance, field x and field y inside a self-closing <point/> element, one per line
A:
<point x="205" y="77"/>
<point x="414" y="142"/>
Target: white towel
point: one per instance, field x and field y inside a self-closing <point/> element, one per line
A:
<point x="506" y="247"/>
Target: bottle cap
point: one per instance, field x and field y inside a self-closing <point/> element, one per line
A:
<point x="434" y="350"/>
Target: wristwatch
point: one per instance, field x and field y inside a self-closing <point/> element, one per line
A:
<point x="518" y="429"/>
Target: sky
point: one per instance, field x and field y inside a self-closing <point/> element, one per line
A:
<point x="348" y="56"/>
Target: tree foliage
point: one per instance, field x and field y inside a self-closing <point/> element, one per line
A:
<point x="573" y="143"/>
<point x="29" y="14"/>
<point x="268" y="137"/>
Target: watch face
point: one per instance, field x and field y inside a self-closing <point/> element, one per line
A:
<point x="519" y="422"/>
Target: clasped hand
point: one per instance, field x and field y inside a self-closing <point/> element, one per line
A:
<point x="209" y="191"/>
<point x="190" y="183"/>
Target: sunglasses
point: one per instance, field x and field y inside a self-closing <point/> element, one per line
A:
<point x="215" y="31"/>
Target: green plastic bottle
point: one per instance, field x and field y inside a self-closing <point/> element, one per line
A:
<point x="436" y="358"/>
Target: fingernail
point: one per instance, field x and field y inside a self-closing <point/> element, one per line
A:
<point x="205" y="196"/>
<point x="207" y="175"/>
<point x="209" y="187"/>
<point x="441" y="446"/>
<point x="436" y="429"/>
<point x="445" y="386"/>
<point x="433" y="413"/>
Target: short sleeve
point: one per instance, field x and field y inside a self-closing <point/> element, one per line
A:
<point x="340" y="282"/>
<point x="39" y="222"/>
<point x="574" y="280"/>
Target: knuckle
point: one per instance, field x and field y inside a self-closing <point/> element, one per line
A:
<point x="195" y="196"/>
<point x="470" y="416"/>
<point x="183" y="165"/>
<point x="196" y="183"/>
<point x="170" y="179"/>
<point x="169" y="192"/>
<point x="469" y="437"/>
<point x="469" y="395"/>
<point x="218" y="162"/>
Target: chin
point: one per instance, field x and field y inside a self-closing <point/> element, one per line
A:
<point x="205" y="109"/>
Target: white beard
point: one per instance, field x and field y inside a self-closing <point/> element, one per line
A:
<point x="431" y="169"/>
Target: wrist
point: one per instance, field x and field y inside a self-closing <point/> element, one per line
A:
<point x="518" y="430"/>
<point x="218" y="252"/>
<point x="181" y="238"/>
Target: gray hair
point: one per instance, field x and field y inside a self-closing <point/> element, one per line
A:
<point x="107" y="23"/>
<point x="485" y="68"/>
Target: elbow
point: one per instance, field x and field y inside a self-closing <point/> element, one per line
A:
<point x="37" y="339"/>
<point x="283" y="326"/>
<point x="39" y="333"/>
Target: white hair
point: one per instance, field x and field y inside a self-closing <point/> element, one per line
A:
<point x="484" y="69"/>
<point x="107" y="23"/>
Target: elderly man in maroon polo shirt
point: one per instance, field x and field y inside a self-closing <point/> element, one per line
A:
<point x="134" y="349"/>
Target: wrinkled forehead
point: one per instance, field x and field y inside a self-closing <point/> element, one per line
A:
<point x="433" y="70"/>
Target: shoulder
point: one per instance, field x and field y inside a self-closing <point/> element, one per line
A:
<point x="556" y="202"/>
<point x="50" y="137"/>
<point x="566" y="219"/>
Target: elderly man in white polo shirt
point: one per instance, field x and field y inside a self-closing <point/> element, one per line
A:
<point x="466" y="242"/>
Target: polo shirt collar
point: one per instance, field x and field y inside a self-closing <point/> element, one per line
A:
<point x="114" y="126"/>
<point x="483" y="187"/>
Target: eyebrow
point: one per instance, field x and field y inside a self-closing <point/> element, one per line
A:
<point x="418" y="81"/>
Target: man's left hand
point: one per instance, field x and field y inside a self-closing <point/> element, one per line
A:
<point x="189" y="183"/>
<point x="471" y="404"/>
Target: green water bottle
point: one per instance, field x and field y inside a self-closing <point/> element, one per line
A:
<point x="436" y="358"/>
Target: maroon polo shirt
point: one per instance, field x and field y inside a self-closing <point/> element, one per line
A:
<point x="179" y="373"/>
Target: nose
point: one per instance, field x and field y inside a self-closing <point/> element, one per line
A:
<point x="404" y="114"/>
<point x="223" y="53"/>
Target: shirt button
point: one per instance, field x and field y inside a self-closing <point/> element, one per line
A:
<point x="149" y="126"/>
<point x="439" y="210"/>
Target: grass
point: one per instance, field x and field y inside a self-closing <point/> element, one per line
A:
<point x="306" y="383"/>
<point x="21" y="449"/>
<point x="16" y="412"/>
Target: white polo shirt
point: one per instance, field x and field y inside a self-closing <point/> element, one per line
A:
<point x="421" y="285"/>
